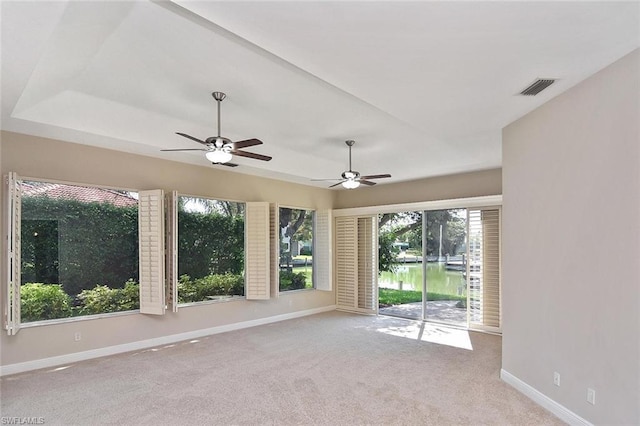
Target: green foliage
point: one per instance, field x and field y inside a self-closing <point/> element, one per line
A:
<point x="102" y="299"/>
<point x="292" y="280"/>
<point x="387" y="252"/>
<point x="387" y="296"/>
<point x="43" y="301"/>
<point x="204" y="288"/>
<point x="77" y="244"/>
<point x="210" y="244"/>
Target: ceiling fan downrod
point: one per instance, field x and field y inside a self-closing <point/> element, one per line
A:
<point x="219" y="97"/>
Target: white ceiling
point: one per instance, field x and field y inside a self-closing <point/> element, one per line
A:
<point x="423" y="87"/>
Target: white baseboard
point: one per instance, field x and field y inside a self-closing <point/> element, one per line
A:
<point x="149" y="343"/>
<point x="541" y="399"/>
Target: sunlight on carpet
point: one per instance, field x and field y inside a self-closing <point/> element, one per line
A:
<point x="431" y="333"/>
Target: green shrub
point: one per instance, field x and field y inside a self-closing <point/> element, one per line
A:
<point x="201" y="289"/>
<point x="102" y="299"/>
<point x="43" y="301"/>
<point x="292" y="280"/>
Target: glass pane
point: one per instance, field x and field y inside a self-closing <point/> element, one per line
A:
<point x="210" y="249"/>
<point x="400" y="264"/>
<point x="296" y="249"/>
<point x="79" y="251"/>
<point x="446" y="265"/>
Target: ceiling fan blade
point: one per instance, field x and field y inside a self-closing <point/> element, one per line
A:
<point x="376" y="176"/>
<point x="246" y="143"/>
<point x="251" y="155"/>
<point x="366" y="182"/>
<point x="184" y="135"/>
<point x="323" y="180"/>
<point x="185" y="149"/>
<point x="336" y="184"/>
<point x="225" y="164"/>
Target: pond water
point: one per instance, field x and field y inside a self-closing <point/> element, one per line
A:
<point x="439" y="279"/>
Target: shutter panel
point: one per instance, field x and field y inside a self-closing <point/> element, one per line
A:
<point x="151" y="251"/>
<point x="13" y="213"/>
<point x="258" y="251"/>
<point x="491" y="268"/>
<point x="274" y="235"/>
<point x="346" y="261"/>
<point x="322" y="255"/>
<point x="484" y="268"/>
<point x="171" y="251"/>
<point x="367" y="264"/>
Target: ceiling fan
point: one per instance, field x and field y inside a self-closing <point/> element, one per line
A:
<point x="352" y="179"/>
<point x="220" y="150"/>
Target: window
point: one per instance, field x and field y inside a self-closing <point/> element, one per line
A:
<point x="78" y="250"/>
<point x="296" y="237"/>
<point x="210" y="249"/>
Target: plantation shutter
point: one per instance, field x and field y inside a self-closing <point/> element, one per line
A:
<point x="12" y="212"/>
<point x="484" y="268"/>
<point x="322" y="255"/>
<point x="171" y="251"/>
<point x="367" y="264"/>
<point x="151" y="251"/>
<point x="274" y="236"/>
<point x="258" y="251"/>
<point x="346" y="261"/>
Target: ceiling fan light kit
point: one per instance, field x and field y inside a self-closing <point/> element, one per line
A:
<point x="220" y="150"/>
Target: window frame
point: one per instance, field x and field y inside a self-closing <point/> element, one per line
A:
<point x="232" y="298"/>
<point x="7" y="230"/>
<point x="276" y="263"/>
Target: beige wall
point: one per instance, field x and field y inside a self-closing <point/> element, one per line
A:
<point x="571" y="246"/>
<point x="50" y="159"/>
<point x="463" y="185"/>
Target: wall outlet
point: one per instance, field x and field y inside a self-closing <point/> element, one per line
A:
<point x="556" y="378"/>
<point x="77" y="336"/>
<point x="591" y="396"/>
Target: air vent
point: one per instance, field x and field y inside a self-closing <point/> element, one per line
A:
<point x="538" y="86"/>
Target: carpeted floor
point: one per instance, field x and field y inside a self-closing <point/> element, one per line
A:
<point x="332" y="368"/>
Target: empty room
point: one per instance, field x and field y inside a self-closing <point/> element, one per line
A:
<point x="320" y="212"/>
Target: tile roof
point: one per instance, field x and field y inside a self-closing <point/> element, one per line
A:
<point x="79" y="193"/>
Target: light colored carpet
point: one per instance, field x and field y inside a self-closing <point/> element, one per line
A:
<point x="332" y="368"/>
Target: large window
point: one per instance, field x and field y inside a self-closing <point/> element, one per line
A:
<point x="210" y="249"/>
<point x="296" y="248"/>
<point x="78" y="250"/>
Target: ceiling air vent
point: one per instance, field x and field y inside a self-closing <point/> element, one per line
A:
<point x="537" y="86"/>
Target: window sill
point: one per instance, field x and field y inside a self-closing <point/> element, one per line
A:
<point x="218" y="299"/>
<point x="301" y="290"/>
<point x="76" y="319"/>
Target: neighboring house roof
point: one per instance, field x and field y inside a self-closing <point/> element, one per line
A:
<point x="79" y="193"/>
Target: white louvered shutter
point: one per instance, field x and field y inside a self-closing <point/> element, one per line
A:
<point x="346" y="262"/>
<point x="484" y="269"/>
<point x="151" y="251"/>
<point x="257" y="251"/>
<point x="13" y="212"/>
<point x="171" y="251"/>
<point x="367" y="265"/>
<point x="322" y="251"/>
<point x="274" y="236"/>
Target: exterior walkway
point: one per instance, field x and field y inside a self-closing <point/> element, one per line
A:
<point x="442" y="310"/>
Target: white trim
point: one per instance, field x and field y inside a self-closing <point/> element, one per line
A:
<point x="544" y="401"/>
<point x="470" y="202"/>
<point x="21" y="367"/>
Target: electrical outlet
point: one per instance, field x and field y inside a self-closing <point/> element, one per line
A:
<point x="77" y="336"/>
<point x="556" y="378"/>
<point x="591" y="396"/>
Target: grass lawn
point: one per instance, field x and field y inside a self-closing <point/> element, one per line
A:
<point x="387" y="296"/>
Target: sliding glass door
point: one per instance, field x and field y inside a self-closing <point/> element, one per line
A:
<point x="441" y="265"/>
